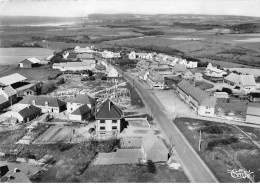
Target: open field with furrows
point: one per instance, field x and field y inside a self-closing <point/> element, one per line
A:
<point x="36" y="74"/>
<point x="223" y="148"/>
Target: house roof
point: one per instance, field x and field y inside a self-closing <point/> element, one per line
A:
<point x="11" y="79"/>
<point x="130" y="143"/>
<point x="33" y="60"/>
<point x="83" y="99"/>
<point x="199" y="95"/>
<point x="72" y="55"/>
<point x="9" y="91"/>
<point x="85" y="56"/>
<point x="247" y="80"/>
<point x="3" y="99"/>
<point x="28" y="111"/>
<point x="253" y="109"/>
<point x="253" y="119"/>
<point x="41" y="100"/>
<point x="179" y="68"/>
<point x="255" y="94"/>
<point x="109" y="110"/>
<point x="155" y="149"/>
<point x="232" y="77"/>
<point x="81" y="110"/>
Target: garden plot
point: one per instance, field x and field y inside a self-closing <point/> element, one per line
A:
<point x="56" y="135"/>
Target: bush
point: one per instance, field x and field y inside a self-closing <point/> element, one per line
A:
<point x="224" y="141"/>
<point x="151" y="166"/>
<point x="62" y="147"/>
<point x="48" y="87"/>
<point x="227" y="90"/>
<point x="53" y="76"/>
<point x="212" y="129"/>
<point x="84" y="79"/>
<point x="91" y="78"/>
<point x="104" y="78"/>
<point x="61" y="81"/>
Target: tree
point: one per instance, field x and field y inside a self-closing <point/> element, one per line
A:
<point x="61" y="81"/>
<point x="48" y="87"/>
<point x="227" y="90"/>
<point x="151" y="166"/>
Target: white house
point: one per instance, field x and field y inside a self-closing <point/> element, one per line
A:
<point x="112" y="72"/>
<point x="198" y="99"/>
<point x="214" y="71"/>
<point x="192" y="64"/>
<point x="108" y="118"/>
<point x="109" y="55"/>
<point x="78" y="100"/>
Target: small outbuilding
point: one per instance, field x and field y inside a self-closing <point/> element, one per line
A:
<point x="29" y="63"/>
<point x="81" y="113"/>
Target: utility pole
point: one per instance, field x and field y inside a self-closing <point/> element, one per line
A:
<point x="200" y="141"/>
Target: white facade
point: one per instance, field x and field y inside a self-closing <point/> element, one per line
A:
<point x="108" y="127"/>
<point x="73" y="106"/>
<point x="74" y="117"/>
<point x="206" y="111"/>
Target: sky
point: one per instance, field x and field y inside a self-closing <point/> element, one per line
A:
<point x="79" y="8"/>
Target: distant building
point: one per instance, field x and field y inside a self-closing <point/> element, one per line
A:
<point x="245" y="82"/>
<point x="108" y="118"/>
<point x="221" y="95"/>
<point x="254" y="97"/>
<point x="214" y="71"/>
<point x="188" y="75"/>
<point x="29" y="63"/>
<point x="198" y="76"/>
<point x="198" y="99"/>
<point x="253" y="114"/>
<point x="80" y="100"/>
<point x="85" y="56"/>
<point x="156" y="81"/>
<point x="45" y="103"/>
<point x="77" y="49"/>
<point x="83" y="112"/>
<point x="75" y="66"/>
<point x="110" y="55"/>
<point x="27" y="114"/>
<point x="179" y="69"/>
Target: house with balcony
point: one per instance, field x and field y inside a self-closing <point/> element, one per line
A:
<point x="214" y="71"/>
<point x="108" y="118"/>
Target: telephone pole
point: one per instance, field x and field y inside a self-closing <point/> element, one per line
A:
<point x="200" y="141"/>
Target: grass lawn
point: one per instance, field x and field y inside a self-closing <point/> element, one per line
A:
<point x="37" y="73"/>
<point x="135" y="98"/>
<point x="204" y="85"/>
<point x="233" y="105"/>
<point x="132" y="174"/>
<point x="218" y="150"/>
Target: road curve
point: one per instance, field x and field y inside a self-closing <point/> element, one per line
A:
<point x="194" y="167"/>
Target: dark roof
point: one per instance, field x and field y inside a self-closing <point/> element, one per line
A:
<point x="3" y="170"/>
<point x="41" y="100"/>
<point x="72" y="55"/>
<point x="81" y="110"/>
<point x="28" y="111"/>
<point x="83" y="99"/>
<point x="255" y="94"/>
<point x="109" y="111"/>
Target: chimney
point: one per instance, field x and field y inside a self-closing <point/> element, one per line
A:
<point x="109" y="105"/>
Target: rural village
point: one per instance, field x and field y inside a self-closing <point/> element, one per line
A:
<point x="90" y="102"/>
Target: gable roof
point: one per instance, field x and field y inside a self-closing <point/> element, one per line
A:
<point x="196" y="93"/>
<point x="83" y="99"/>
<point x="33" y="60"/>
<point x="233" y="77"/>
<point x="28" y="111"/>
<point x="179" y="68"/>
<point x="83" y="109"/>
<point x="253" y="109"/>
<point x="11" y="79"/>
<point x="247" y="80"/>
<point x="40" y="100"/>
<point x="3" y="99"/>
<point x="9" y="91"/>
<point x="109" y="110"/>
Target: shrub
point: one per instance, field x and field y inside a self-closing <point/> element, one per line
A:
<point x="151" y="166"/>
<point x="84" y="79"/>
<point x="62" y="147"/>
<point x="61" y="81"/>
<point x="91" y="78"/>
<point x="212" y="129"/>
<point x="48" y="87"/>
<point x="227" y="90"/>
<point x="224" y="141"/>
<point x="53" y="76"/>
<point x="104" y="78"/>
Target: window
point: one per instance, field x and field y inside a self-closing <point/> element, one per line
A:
<point x="114" y="121"/>
<point x="114" y="127"/>
<point x="207" y="112"/>
<point x="102" y="128"/>
<point x="102" y="121"/>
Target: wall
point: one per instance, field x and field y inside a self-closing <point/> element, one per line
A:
<point x="206" y="111"/>
<point x="108" y="126"/>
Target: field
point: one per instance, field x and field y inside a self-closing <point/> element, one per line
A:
<point x="36" y="74"/>
<point x="223" y="148"/>
<point x="13" y="56"/>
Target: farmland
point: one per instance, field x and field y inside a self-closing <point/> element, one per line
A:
<point x="223" y="147"/>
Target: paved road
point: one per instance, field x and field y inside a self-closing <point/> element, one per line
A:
<point x="192" y="164"/>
